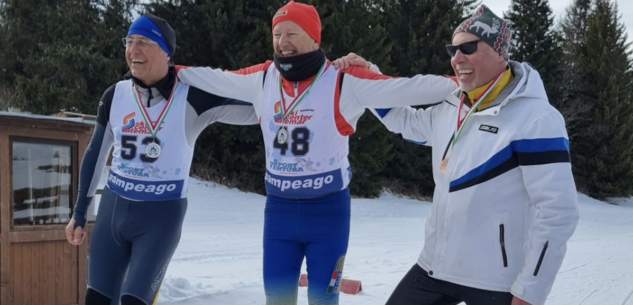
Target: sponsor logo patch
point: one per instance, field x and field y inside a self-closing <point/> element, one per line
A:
<point x="488" y="128"/>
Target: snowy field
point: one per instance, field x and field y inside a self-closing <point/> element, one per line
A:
<point x="219" y="257"/>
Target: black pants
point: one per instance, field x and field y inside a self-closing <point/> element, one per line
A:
<point x="131" y="247"/>
<point x="418" y="288"/>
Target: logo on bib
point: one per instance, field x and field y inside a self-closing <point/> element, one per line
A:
<point x="145" y="190"/>
<point x="298" y="183"/>
<point x="129" y="186"/>
<point x="294" y="118"/>
<point x="285" y="167"/>
<point x="300" y="166"/>
<point x="128" y="121"/>
<point x="130" y="125"/>
<point x="306" y="186"/>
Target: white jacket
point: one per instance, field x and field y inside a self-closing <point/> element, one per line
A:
<point x="507" y="205"/>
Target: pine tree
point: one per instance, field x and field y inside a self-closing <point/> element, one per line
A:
<point x="604" y="156"/>
<point x="358" y="26"/>
<point x="353" y="26"/>
<point x="420" y="30"/>
<point x="469" y="6"/>
<point x="535" y="41"/>
<point x="228" y="34"/>
<point x="53" y="54"/>
<point x="572" y="105"/>
<point x="17" y="44"/>
<point x="116" y="17"/>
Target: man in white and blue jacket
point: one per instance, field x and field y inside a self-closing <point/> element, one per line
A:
<point x="505" y="201"/>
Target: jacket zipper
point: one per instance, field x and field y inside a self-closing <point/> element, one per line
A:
<point x="540" y="259"/>
<point x="445" y="184"/>
<point x="149" y="97"/>
<point x="503" y="245"/>
<point x="448" y="145"/>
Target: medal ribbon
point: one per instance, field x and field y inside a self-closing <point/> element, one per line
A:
<point x="299" y="98"/>
<point x="153" y="128"/>
<point x="462" y="122"/>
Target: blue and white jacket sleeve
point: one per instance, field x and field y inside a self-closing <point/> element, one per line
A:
<point x="544" y="160"/>
<point x="94" y="158"/>
<point x="412" y="124"/>
<point x="415" y="125"/>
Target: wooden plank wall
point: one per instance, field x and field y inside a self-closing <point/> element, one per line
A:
<point x="44" y="273"/>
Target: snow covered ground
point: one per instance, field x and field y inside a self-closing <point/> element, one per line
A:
<point x="220" y="254"/>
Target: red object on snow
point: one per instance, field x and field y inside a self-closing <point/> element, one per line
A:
<point x="351" y="286"/>
<point x="346" y="286"/>
<point x="303" y="280"/>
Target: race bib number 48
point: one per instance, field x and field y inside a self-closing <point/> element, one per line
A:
<point x="296" y="139"/>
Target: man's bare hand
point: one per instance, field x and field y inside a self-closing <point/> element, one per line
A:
<point x="75" y="236"/>
<point x="351" y="59"/>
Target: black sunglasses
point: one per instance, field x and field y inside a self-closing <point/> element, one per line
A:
<point x="466" y="48"/>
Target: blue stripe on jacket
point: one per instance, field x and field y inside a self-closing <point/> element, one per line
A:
<point x="517" y="153"/>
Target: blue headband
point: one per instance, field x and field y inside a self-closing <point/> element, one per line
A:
<point x="145" y="27"/>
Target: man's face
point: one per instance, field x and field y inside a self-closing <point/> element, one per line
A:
<point x="476" y="69"/>
<point x="145" y="58"/>
<point x="289" y="39"/>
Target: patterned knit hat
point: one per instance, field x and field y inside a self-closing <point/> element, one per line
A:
<point x="495" y="31"/>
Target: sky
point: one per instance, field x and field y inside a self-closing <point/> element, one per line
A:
<point x="625" y="9"/>
<point x="219" y="258"/>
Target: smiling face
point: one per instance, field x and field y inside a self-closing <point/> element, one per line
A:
<point x="289" y="39"/>
<point x="478" y="68"/>
<point x="147" y="61"/>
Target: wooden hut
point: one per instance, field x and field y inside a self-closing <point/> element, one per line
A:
<point x="40" y="158"/>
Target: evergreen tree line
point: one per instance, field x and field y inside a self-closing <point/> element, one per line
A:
<point x="62" y="54"/>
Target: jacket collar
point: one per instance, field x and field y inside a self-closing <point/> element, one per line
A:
<point x="506" y="95"/>
<point x="164" y="86"/>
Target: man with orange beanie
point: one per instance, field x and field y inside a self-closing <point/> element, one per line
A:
<point x="308" y="109"/>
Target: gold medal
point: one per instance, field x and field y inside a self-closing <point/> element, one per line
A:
<point x="444" y="165"/>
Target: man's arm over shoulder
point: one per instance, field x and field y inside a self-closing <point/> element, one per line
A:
<point x="373" y="90"/>
<point x="545" y="162"/>
<point x="412" y="124"/>
<point x="94" y="158"/>
<point x="244" y="84"/>
<point x="205" y="109"/>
